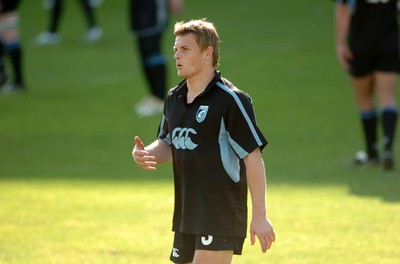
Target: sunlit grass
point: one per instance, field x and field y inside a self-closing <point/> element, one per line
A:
<point x="70" y="192"/>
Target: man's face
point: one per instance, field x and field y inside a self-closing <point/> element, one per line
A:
<point x="190" y="59"/>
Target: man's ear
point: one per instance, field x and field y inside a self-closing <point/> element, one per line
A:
<point x="209" y="52"/>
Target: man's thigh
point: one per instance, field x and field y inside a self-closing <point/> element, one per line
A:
<point x="213" y="257"/>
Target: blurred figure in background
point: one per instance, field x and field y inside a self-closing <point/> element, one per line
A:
<point x="367" y="45"/>
<point x="148" y="20"/>
<point x="56" y="7"/>
<point x="10" y="44"/>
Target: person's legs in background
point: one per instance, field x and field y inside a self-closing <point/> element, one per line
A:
<point x="386" y="83"/>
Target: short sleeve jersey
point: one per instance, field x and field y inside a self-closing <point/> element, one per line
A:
<point x="209" y="139"/>
<point x="372" y="22"/>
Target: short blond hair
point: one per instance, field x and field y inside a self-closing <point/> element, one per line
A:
<point x="205" y="34"/>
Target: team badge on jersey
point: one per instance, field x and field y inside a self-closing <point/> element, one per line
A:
<point x="201" y="113"/>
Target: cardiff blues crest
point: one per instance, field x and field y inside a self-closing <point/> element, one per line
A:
<point x="201" y="113"/>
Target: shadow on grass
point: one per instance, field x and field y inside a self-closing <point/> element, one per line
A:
<point x="377" y="183"/>
<point x="91" y="172"/>
<point x="361" y="181"/>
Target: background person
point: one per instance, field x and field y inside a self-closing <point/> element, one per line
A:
<point x="148" y="21"/>
<point x="10" y="45"/>
<point x="367" y="44"/>
<point x="52" y="35"/>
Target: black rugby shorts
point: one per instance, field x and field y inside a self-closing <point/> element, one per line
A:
<point x="381" y="56"/>
<point x="185" y="245"/>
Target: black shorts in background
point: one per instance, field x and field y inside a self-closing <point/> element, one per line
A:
<point x="381" y="55"/>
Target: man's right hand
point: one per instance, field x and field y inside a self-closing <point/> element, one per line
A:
<point x="142" y="157"/>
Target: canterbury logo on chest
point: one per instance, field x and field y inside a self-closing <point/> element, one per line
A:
<point x="181" y="138"/>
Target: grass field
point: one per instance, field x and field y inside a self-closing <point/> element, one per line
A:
<point x="70" y="192"/>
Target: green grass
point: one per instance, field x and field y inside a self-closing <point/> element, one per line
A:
<point x="70" y="192"/>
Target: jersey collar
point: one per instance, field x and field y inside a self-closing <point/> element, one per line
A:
<point x="181" y="88"/>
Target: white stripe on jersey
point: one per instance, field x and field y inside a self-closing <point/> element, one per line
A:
<point x="167" y="138"/>
<point x="241" y="107"/>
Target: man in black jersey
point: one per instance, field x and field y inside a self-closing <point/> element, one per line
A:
<point x="367" y="44"/>
<point x="209" y="132"/>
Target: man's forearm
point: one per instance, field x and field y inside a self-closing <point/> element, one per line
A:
<point x="256" y="181"/>
<point x="161" y="150"/>
<point x="342" y="22"/>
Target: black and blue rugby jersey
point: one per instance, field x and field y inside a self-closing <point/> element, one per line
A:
<point x="209" y="138"/>
<point x="372" y="22"/>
